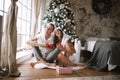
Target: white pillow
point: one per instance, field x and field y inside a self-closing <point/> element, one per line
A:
<point x="90" y="45"/>
<point x="65" y="39"/>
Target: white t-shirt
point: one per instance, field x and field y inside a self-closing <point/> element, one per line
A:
<point x="42" y="40"/>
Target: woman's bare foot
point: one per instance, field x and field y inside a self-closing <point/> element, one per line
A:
<point x="42" y="61"/>
<point x="52" y="64"/>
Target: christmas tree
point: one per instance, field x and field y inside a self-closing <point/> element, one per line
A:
<point x="60" y="12"/>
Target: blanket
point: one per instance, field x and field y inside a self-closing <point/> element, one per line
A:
<point x="104" y="50"/>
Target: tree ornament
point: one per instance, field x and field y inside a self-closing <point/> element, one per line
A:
<point x="62" y="26"/>
<point x="56" y="10"/>
<point x="64" y="10"/>
<point x="62" y="6"/>
<point x="64" y="30"/>
<point x="56" y="14"/>
<point x="66" y="6"/>
<point x="73" y="21"/>
<point x="74" y="27"/>
<point x="58" y="19"/>
<point x="67" y="20"/>
<point x="64" y="16"/>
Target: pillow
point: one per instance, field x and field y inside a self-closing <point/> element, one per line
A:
<point x="65" y="39"/>
<point x="91" y="42"/>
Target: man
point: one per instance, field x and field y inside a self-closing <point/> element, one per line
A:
<point x="43" y="43"/>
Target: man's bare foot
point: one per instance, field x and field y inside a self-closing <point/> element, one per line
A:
<point x="32" y="64"/>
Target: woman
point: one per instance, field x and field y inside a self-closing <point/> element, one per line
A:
<point x="66" y="49"/>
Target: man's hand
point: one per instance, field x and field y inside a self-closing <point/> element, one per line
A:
<point x="43" y="45"/>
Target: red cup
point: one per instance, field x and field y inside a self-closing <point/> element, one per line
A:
<point x="50" y="46"/>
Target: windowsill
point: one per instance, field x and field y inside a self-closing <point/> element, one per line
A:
<point x="22" y="56"/>
<point x="23" y="49"/>
<point x="23" y="53"/>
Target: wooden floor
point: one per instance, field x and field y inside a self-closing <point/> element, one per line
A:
<point x="28" y="73"/>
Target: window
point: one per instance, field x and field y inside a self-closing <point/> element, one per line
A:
<point x="23" y="20"/>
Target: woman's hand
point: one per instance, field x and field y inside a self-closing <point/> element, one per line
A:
<point x="59" y="45"/>
<point x="70" y="48"/>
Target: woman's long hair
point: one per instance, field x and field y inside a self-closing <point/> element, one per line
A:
<point x="56" y="39"/>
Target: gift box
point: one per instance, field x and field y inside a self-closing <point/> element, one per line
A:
<point x="64" y="70"/>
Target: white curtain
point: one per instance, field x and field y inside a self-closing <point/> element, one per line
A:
<point x="0" y="36"/>
<point x="43" y="12"/>
<point x="9" y="41"/>
<point x="37" y="5"/>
